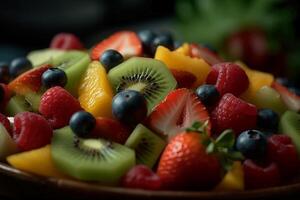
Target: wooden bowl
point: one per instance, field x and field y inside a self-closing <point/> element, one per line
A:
<point x="16" y="184"/>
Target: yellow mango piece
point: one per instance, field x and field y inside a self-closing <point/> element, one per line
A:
<point x="257" y="79"/>
<point x="176" y="60"/>
<point x="95" y="93"/>
<point x="38" y="161"/>
<point x="184" y="49"/>
<point x="233" y="180"/>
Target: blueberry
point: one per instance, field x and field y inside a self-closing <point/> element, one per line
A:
<point x="252" y="144"/>
<point x="177" y="44"/>
<point x="19" y="66"/>
<point x="146" y="37"/>
<point x="111" y="58"/>
<point x="267" y="120"/>
<point x="54" y="77"/>
<point x="165" y="40"/>
<point x="4" y="72"/>
<point x="283" y="81"/>
<point x="130" y="107"/>
<point x="82" y="123"/>
<point x="208" y="94"/>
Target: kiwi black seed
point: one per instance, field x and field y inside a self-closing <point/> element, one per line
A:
<point x="90" y="159"/>
<point x="149" y="76"/>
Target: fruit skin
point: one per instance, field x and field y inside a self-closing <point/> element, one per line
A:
<point x="200" y="51"/>
<point x="7" y="144"/>
<point x="66" y="41"/>
<point x="54" y="77"/>
<point x="30" y="81"/>
<point x="37" y="161"/>
<point x="233" y="179"/>
<point x="4" y="73"/>
<point x="260" y="176"/>
<point x="129" y="107"/>
<point x="208" y="94"/>
<point x="228" y="78"/>
<point x="185" y="164"/>
<point x="252" y="144"/>
<point x="178" y="111"/>
<point x="19" y="66"/>
<point x="283" y="152"/>
<point x="95" y="93"/>
<point x="110" y="129"/>
<point x="125" y="42"/>
<point x="111" y="58"/>
<point x="165" y="40"/>
<point x="31" y="131"/>
<point x="178" y="61"/>
<point x="141" y="177"/>
<point x="233" y="113"/>
<point x="184" y="79"/>
<point x="146" y="37"/>
<point x="57" y="106"/>
<point x="82" y="123"/>
<point x="268" y="120"/>
<point x="5" y="122"/>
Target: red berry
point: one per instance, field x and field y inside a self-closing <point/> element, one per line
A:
<point x="66" y="41"/>
<point x="57" y="106"/>
<point x="141" y="177"/>
<point x="260" y="176"/>
<point x="111" y="129"/>
<point x="233" y="113"/>
<point x="228" y="78"/>
<point x="185" y="164"/>
<point x="5" y="122"/>
<point x="31" y="131"/>
<point x="5" y="96"/>
<point x="184" y="79"/>
<point x="282" y="151"/>
<point x="209" y="56"/>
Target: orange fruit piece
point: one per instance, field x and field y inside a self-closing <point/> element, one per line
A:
<point x="95" y="92"/>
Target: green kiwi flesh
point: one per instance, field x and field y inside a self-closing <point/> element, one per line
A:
<point x="44" y="56"/>
<point x="149" y="76"/>
<point x="290" y="125"/>
<point x="90" y="159"/>
<point x="146" y="144"/>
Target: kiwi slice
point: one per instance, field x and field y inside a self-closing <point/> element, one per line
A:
<point x="44" y="56"/>
<point x="149" y="76"/>
<point x="7" y="144"/>
<point x="28" y="102"/>
<point x="90" y="159"/>
<point x="74" y="63"/>
<point x="290" y="125"/>
<point x="146" y="144"/>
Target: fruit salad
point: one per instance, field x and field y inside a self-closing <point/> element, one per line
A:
<point x="137" y="110"/>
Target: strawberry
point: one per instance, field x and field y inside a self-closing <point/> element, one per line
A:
<point x="179" y="110"/>
<point x="282" y="151"/>
<point x="290" y="99"/>
<point x="184" y="164"/>
<point x="228" y="78"/>
<point x="140" y="176"/>
<point x="111" y="129"/>
<point x="31" y="131"/>
<point x="66" y="41"/>
<point x="28" y="81"/>
<point x="57" y="106"/>
<point x="209" y="56"/>
<point x="125" y="42"/>
<point x="233" y="113"/>
<point x="5" y="122"/>
<point x="184" y="79"/>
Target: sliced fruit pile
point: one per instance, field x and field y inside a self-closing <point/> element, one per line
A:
<point x="139" y="113"/>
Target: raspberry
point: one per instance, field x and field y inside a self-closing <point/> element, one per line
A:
<point x="228" y="78"/>
<point x="5" y="122"/>
<point x="260" y="176"/>
<point x="282" y="151"/>
<point x="141" y="177"/>
<point x="31" y="131"/>
<point x="233" y="113"/>
<point x="66" y="41"/>
<point x="57" y="106"/>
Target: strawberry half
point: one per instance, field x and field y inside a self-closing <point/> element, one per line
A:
<point x="179" y="110"/>
<point x="125" y="42"/>
<point x="290" y="99"/>
<point x="198" y="51"/>
<point x="184" y="79"/>
<point x="29" y="81"/>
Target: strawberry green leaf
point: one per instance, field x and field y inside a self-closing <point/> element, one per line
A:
<point x="226" y="139"/>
